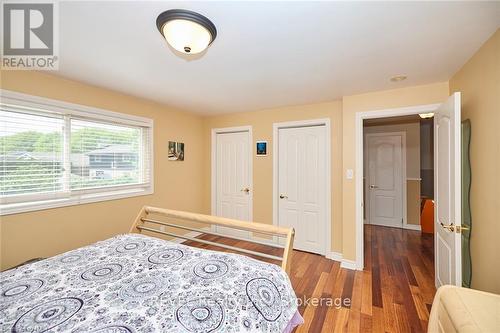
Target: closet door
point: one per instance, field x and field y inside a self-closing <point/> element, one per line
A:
<point x="302" y="185"/>
<point x="233" y="178"/>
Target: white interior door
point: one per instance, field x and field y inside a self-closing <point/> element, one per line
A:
<point x="385" y="179"/>
<point x="302" y="185"/>
<point x="447" y="196"/>
<point x="233" y="179"/>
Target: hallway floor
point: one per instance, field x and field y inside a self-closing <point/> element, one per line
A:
<point x="393" y="294"/>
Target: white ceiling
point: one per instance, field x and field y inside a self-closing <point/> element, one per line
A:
<point x="271" y="54"/>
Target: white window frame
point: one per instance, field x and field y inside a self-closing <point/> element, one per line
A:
<point x="81" y="196"/>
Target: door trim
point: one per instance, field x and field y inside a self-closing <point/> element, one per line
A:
<point x="213" y="172"/>
<point x="403" y="174"/>
<point x="358" y="174"/>
<point x="328" y="195"/>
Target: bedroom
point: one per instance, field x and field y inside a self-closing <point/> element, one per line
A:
<point x="120" y="85"/>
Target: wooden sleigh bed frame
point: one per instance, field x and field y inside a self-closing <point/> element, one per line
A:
<point x="146" y="221"/>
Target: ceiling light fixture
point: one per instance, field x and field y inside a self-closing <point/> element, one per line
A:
<point x="398" y="78"/>
<point x="426" y="115"/>
<point x="186" y="31"/>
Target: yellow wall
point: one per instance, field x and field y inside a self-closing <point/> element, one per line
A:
<point x="262" y="127"/>
<point x="418" y="95"/>
<point x="178" y="185"/>
<point x="479" y="82"/>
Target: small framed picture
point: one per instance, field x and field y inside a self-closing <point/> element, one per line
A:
<point x="261" y="148"/>
<point x="175" y="151"/>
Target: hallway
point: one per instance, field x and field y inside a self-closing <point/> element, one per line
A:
<point x="401" y="265"/>
<point x="394" y="292"/>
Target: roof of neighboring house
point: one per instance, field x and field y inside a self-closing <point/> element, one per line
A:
<point x="120" y="149"/>
<point x="77" y="159"/>
<point x="33" y="156"/>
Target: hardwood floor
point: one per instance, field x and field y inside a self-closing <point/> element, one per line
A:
<point x="393" y="294"/>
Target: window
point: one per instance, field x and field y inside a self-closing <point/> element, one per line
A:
<point x="55" y="154"/>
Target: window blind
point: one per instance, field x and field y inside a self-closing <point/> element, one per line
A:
<point x="31" y="153"/>
<point x="104" y="155"/>
<point x="51" y="152"/>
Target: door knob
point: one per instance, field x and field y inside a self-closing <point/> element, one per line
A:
<point x="282" y="196"/>
<point x="373" y="186"/>
<point x="246" y="190"/>
<point x="460" y="229"/>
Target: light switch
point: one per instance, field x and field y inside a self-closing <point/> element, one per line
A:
<point x="349" y="174"/>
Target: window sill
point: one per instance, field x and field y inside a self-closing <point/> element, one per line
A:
<point x="16" y="208"/>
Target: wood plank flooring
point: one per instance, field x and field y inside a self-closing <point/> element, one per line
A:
<point x="393" y="294"/>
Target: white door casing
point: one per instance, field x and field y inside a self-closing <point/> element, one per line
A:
<point x="359" y="160"/>
<point x="385" y="178"/>
<point x="232" y="177"/>
<point x="447" y="192"/>
<point x="302" y="185"/>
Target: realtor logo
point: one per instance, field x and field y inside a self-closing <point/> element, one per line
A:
<point x="29" y="36"/>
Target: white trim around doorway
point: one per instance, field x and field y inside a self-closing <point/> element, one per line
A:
<point x="358" y="174"/>
<point x="328" y="197"/>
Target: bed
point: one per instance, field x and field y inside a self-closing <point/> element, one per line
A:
<point x="138" y="283"/>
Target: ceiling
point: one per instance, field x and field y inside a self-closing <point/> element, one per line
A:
<point x="271" y="54"/>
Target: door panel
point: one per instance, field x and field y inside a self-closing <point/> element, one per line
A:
<point x="301" y="185"/>
<point x="232" y="178"/>
<point x="447" y="195"/>
<point x="385" y="179"/>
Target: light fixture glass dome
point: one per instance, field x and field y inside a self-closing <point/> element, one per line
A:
<point x="426" y="115"/>
<point x="186" y="31"/>
<point x="186" y="36"/>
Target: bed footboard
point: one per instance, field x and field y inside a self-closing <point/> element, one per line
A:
<point x="177" y="219"/>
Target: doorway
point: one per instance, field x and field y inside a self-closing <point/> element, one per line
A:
<point x="232" y="176"/>
<point x="302" y="182"/>
<point x="447" y="185"/>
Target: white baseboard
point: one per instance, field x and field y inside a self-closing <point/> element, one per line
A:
<point x="349" y="264"/>
<point x="337" y="256"/>
<point x="412" y="227"/>
<point x="404" y="226"/>
<point x="344" y="263"/>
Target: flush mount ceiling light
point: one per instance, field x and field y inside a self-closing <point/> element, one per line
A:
<point x="186" y="31"/>
<point x="398" y="78"/>
<point x="426" y="115"/>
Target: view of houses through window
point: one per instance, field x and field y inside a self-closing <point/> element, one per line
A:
<point x="103" y="154"/>
<point x="30" y="153"/>
<point x="58" y="154"/>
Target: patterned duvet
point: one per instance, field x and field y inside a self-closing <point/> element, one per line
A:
<point x="136" y="283"/>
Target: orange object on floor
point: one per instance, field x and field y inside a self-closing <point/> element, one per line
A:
<point x="427" y="217"/>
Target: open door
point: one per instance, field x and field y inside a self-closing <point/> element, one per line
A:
<point x="447" y="184"/>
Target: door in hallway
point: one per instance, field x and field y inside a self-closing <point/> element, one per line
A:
<point x="385" y="179"/>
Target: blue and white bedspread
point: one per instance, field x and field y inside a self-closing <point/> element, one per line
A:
<point x="136" y="283"/>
